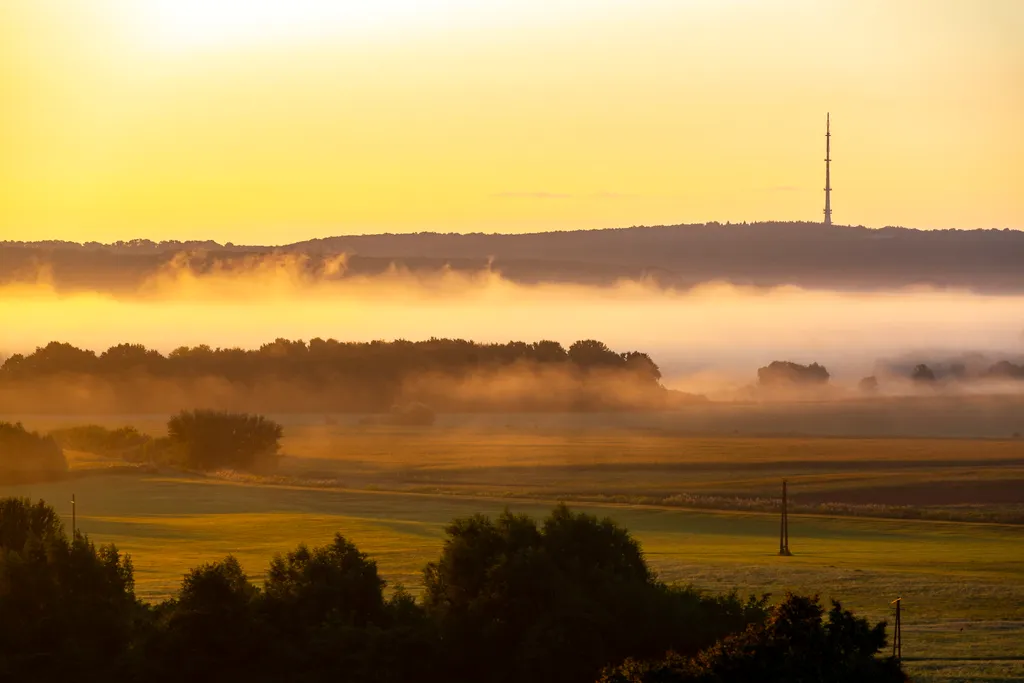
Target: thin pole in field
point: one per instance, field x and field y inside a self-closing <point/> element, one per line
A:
<point x="897" y="636"/>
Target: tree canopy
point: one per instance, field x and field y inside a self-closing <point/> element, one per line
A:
<point x="509" y="599"/>
<point x="329" y="375"/>
<point x="794" y="645"/>
<point x="789" y="374"/>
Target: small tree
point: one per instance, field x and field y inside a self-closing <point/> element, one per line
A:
<point x="922" y="373"/>
<point x="209" y="440"/>
<point x="868" y="385"/>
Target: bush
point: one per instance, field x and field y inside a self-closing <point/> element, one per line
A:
<point x="210" y="440"/>
<point x="26" y="457"/>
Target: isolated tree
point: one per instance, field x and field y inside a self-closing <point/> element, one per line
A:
<point x="210" y="439"/>
<point x="923" y="374"/>
<point x="868" y="385"/>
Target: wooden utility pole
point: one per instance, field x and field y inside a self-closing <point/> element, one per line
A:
<point x="74" y="518"/>
<point x="784" y="528"/>
<point x="897" y="635"/>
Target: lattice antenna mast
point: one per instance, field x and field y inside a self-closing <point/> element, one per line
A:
<point x="897" y="636"/>
<point x="828" y="180"/>
<point x="784" y="528"/>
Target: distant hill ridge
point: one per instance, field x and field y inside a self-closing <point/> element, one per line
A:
<point x="758" y="254"/>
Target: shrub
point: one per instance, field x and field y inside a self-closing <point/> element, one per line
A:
<point x="26" y="457"/>
<point x="210" y="440"/>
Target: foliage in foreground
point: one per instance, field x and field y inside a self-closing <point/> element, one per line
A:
<point x="508" y="600"/>
<point x="794" y="645"/>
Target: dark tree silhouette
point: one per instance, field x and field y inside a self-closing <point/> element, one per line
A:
<point x="338" y="376"/>
<point x="923" y="374"/>
<point x="795" y="645"/>
<point x="508" y="600"/>
<point x="785" y="373"/>
<point x="868" y="385"/>
<point x="1005" y="370"/>
<point x="26" y="457"/>
<point x="558" y="602"/>
<point x="66" y="607"/>
<point x="210" y="439"/>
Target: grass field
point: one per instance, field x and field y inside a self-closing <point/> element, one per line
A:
<point x="393" y="490"/>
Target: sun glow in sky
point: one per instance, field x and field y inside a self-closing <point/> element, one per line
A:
<point x="268" y="121"/>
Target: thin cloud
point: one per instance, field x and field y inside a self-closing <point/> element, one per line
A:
<point x="532" y="195"/>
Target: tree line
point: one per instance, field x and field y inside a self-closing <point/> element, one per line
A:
<point x="567" y="599"/>
<point x="786" y="374"/>
<point x="349" y="376"/>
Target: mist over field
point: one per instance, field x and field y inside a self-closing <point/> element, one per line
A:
<point x="707" y="338"/>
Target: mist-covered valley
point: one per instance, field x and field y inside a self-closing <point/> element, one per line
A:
<point x="709" y="338"/>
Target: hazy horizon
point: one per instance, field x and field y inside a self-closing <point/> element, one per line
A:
<point x="716" y="333"/>
<point x="270" y="121"/>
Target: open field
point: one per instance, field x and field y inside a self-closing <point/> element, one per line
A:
<point x="641" y="460"/>
<point x="392" y="490"/>
<point x="963" y="583"/>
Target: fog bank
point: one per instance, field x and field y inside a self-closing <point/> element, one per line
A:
<point x="712" y="335"/>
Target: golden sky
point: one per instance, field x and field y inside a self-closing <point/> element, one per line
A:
<point x="270" y="121"/>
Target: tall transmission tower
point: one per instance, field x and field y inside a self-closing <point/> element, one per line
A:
<point x="897" y="637"/>
<point x="828" y="180"/>
<point x="784" y="527"/>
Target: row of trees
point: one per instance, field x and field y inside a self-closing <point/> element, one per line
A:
<point x="786" y="374"/>
<point x="507" y="600"/>
<point x="322" y="360"/>
<point x="331" y="376"/>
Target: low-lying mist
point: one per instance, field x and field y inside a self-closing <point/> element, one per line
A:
<point x="708" y="339"/>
